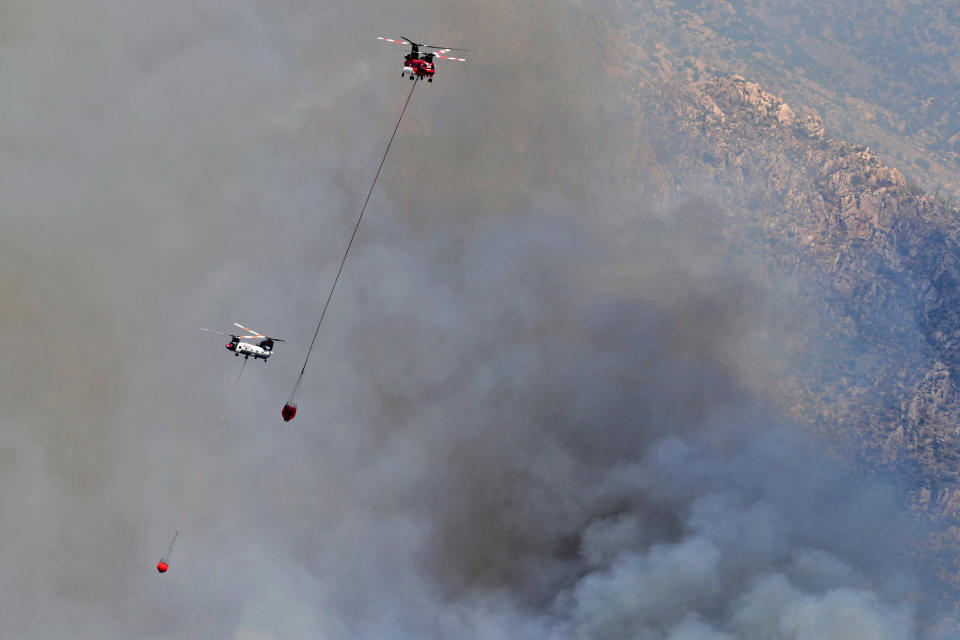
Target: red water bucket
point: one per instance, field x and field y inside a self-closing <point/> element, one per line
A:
<point x="162" y="566"/>
<point x="289" y="411"/>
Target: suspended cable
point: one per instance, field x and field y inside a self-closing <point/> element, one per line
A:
<point x="164" y="563"/>
<point x="290" y="409"/>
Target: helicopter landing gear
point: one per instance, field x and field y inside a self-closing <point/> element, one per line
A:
<point x="429" y="79"/>
<point x="411" y="76"/>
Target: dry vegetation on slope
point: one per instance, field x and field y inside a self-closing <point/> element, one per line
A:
<point x="882" y="72"/>
<point x="875" y="254"/>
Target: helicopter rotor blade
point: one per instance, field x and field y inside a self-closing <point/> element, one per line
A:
<point x="224" y="333"/>
<point x="408" y="41"/>
<point x="227" y="333"/>
<point x="437" y="55"/>
<point x="430" y="46"/>
<point x="256" y="334"/>
<point x="393" y="41"/>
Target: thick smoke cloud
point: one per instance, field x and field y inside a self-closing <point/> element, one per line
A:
<point x="537" y="411"/>
<point x="591" y="465"/>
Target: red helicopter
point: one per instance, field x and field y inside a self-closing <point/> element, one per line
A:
<point x="420" y="65"/>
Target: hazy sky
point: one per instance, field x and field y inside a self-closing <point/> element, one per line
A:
<point x="531" y="413"/>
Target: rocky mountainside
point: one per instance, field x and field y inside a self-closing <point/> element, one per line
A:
<point x="882" y="72"/>
<point x="875" y="253"/>
<point x="830" y="211"/>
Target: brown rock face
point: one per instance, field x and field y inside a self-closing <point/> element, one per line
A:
<point x="872" y="251"/>
<point x="883" y="72"/>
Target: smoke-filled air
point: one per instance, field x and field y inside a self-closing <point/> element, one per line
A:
<point x="539" y="406"/>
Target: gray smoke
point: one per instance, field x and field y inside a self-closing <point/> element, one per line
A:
<point x="538" y="410"/>
<point x="584" y="464"/>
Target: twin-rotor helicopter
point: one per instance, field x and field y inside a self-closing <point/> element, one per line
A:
<point x="420" y="65"/>
<point x="262" y="350"/>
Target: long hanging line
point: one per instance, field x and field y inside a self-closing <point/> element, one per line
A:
<point x="164" y="563"/>
<point x="290" y="409"/>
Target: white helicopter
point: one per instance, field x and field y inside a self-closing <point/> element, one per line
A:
<point x="246" y="349"/>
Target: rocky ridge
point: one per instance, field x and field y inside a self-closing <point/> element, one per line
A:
<point x="875" y="255"/>
<point x="869" y="249"/>
<point x="883" y="72"/>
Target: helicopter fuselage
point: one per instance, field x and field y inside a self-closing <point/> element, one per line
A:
<point x="246" y="349"/>
<point x="419" y="68"/>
